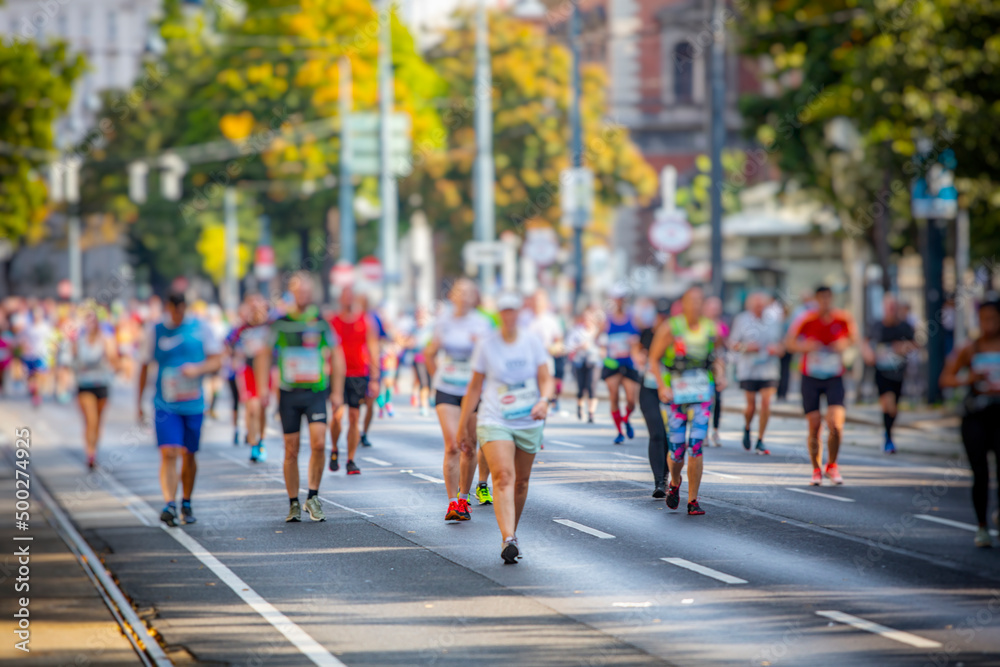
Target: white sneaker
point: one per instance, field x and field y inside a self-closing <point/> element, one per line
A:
<point x="713" y="438"/>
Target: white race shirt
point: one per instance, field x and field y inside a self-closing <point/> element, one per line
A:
<point x="457" y="337"/>
<point x="510" y="389"/>
<point x="548" y="329"/>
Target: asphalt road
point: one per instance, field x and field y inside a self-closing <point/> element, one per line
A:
<point x="881" y="571"/>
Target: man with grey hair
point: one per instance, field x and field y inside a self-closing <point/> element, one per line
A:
<point x="756" y="339"/>
<point x="886" y="348"/>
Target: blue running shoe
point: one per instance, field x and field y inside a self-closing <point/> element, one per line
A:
<point x="619" y="439"/>
<point x="187" y="514"/>
<point x="890" y="448"/>
<point x="629" y="431"/>
<point x="261" y="453"/>
<point x="255" y="453"/>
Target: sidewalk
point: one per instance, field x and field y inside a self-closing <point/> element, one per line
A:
<point x="70" y="624"/>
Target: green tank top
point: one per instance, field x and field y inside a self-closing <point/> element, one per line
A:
<point x="691" y="348"/>
<point x="303" y="344"/>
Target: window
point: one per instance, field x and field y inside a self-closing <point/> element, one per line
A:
<point x="112" y="29"/>
<point x="683" y="73"/>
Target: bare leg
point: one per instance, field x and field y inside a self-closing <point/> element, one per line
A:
<point x="353" y="435"/>
<point x="694" y="477"/>
<point x="291" y="465"/>
<point x="317" y="450"/>
<point x="751" y="408"/>
<point x="254" y="430"/>
<point x="500" y="454"/>
<point x="815" y="420"/>
<point x="765" y="411"/>
<point x="449" y="415"/>
<point x="168" y="471"/>
<point x="189" y="468"/>
<point x="335" y="426"/>
<point x="468" y="466"/>
<point x="484" y="467"/>
<point x="522" y="474"/>
<point x="88" y="407"/>
<point x="835" y="416"/>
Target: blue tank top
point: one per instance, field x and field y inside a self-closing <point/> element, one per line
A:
<point x="174" y="347"/>
<point x="620" y="337"/>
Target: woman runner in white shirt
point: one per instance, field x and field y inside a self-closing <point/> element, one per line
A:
<point x="511" y="375"/>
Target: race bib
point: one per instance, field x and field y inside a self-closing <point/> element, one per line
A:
<point x="516" y="400"/>
<point x="988" y="364"/>
<point x="456" y="372"/>
<point x="301" y="365"/>
<point x="649" y="380"/>
<point x="886" y="358"/>
<point x="175" y="387"/>
<point x="693" y="386"/>
<point x="824" y="364"/>
<point x="254" y="342"/>
<point x="619" y="345"/>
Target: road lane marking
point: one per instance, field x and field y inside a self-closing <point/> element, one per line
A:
<point x="423" y="476"/>
<point x="632" y="456"/>
<point x="567" y="444"/>
<point x="819" y="495"/>
<point x="230" y="457"/>
<point x="954" y="524"/>
<point x="585" y="529"/>
<point x="707" y="571"/>
<point x="632" y="605"/>
<point x="296" y="635"/>
<point x="721" y="474"/>
<point x="888" y="633"/>
<point x="378" y="462"/>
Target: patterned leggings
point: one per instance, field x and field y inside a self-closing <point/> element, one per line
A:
<point x="677" y="431"/>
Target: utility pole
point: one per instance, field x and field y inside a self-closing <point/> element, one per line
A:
<point x="576" y="148"/>
<point x="933" y="303"/>
<point x="718" y="139"/>
<point x="348" y="251"/>
<point x="230" y="286"/>
<point x="485" y="213"/>
<point x="388" y="228"/>
<point x="72" y="190"/>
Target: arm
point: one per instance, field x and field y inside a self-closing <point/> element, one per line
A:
<point x="338" y="369"/>
<point x="662" y="340"/>
<point x="792" y="342"/>
<point x="430" y="356"/>
<point x="473" y="393"/>
<point x="111" y="350"/>
<point x="374" y="368"/>
<point x="958" y="360"/>
<point x="143" y="374"/>
<point x="546" y="389"/>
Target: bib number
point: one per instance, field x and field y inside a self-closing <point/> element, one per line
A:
<point x="517" y="400"/>
<point x="649" y="380"/>
<point x="694" y="386"/>
<point x="301" y="365"/>
<point x="175" y="387"/>
<point x="886" y="358"/>
<point x="824" y="364"/>
<point x="619" y="345"/>
<point x="988" y="364"/>
<point x="457" y="373"/>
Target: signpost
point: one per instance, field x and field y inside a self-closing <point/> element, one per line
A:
<point x="363" y="144"/>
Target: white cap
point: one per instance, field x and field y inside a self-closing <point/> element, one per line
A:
<point x="618" y="291"/>
<point x="509" y="301"/>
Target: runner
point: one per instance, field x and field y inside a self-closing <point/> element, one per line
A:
<point x="713" y="311"/>
<point x="96" y="360"/>
<point x="584" y="355"/>
<point x="981" y="423"/>
<point x="541" y="321"/>
<point x="757" y="340"/>
<point x="821" y="335"/>
<point x="372" y="394"/>
<point x="649" y="404"/>
<point x="184" y="351"/>
<point x="511" y="375"/>
<point x="621" y="338"/>
<point x="310" y="362"/>
<point x="455" y="336"/>
<point x="886" y="348"/>
<point x="35" y="341"/>
<point x="246" y="342"/>
<point x="359" y="340"/>
<point x="688" y="373"/>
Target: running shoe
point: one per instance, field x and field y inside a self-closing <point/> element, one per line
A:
<point x="315" y="509"/>
<point x="629" y="431"/>
<point x="91" y="463"/>
<point x="983" y="539"/>
<point x="590" y="418"/>
<point x="255" y="454"/>
<point x="761" y="449"/>
<point x="817" y="477"/>
<point x="833" y="474"/>
<point x="352" y="468"/>
<point x="579" y="413"/>
<point x="483" y="494"/>
<point x="673" y="496"/>
<point x="661" y="490"/>
<point x="381" y="413"/>
<point x="714" y="438"/>
<point x="236" y="439"/>
<point x="187" y="515"/>
<point x="388" y="410"/>
<point x="169" y="516"/>
<point x="890" y="447"/>
<point x="423" y="412"/>
<point x="261" y="453"/>
<point x="509" y="552"/>
<point x="463" y="510"/>
<point x="746" y="439"/>
<point x="619" y="439"/>
<point x="364" y="440"/>
<point x="413" y="400"/>
<point x="453" y="513"/>
<point x="294" y="512"/>
<point x="334" y="459"/>
<point x="694" y="509"/>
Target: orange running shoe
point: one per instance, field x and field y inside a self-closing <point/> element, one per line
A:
<point x="833" y="474"/>
<point x="817" y="477"/>
<point x="453" y="512"/>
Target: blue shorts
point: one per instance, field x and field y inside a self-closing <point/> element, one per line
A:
<point x="178" y="430"/>
<point x="34" y="365"/>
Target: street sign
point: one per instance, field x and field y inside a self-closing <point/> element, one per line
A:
<point x="370" y="269"/>
<point x="342" y="274"/>
<point x="364" y="143"/>
<point x="480" y="253"/>
<point x="934" y="193"/>
<point x="263" y="263"/>
<point x="541" y="245"/>
<point x="670" y="232"/>
<point x="576" y="193"/>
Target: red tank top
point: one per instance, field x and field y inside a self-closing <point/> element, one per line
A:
<point x="354" y="341"/>
<point x="812" y="327"/>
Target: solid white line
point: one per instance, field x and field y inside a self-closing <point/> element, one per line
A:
<point x="567" y="444"/>
<point x="888" y="633"/>
<point x="819" y="495"/>
<point x="953" y="524"/>
<point x="427" y="477"/>
<point x="585" y="529"/>
<point x="721" y="474"/>
<point x="296" y="635"/>
<point x="707" y="571"/>
<point x="632" y="456"/>
<point x="378" y="462"/>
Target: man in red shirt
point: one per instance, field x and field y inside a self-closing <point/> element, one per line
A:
<point x="822" y="335"/>
<point x="359" y="340"/>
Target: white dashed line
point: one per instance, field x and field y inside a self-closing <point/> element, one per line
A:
<point x="632" y="456"/>
<point x="378" y="462"/>
<point x="585" y="529"/>
<point x="707" y="571"/>
<point x="819" y="495"/>
<point x="721" y="474"/>
<point x="888" y="633"/>
<point x="954" y="524"/>
<point x="426" y="477"/>
<point x="567" y="444"/>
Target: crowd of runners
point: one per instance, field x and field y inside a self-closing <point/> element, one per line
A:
<point x="493" y="372"/>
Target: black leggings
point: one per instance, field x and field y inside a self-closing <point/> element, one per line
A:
<point x="981" y="434"/>
<point x="584" y="380"/>
<point x="423" y="379"/>
<point x="649" y="403"/>
<point x="717" y="413"/>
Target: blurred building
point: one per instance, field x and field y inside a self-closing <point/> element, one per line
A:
<point x="111" y="34"/>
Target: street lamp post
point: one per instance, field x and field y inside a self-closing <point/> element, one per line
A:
<point x="718" y="139"/>
<point x="576" y="149"/>
<point x="387" y="189"/>
<point x="485" y="214"/>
